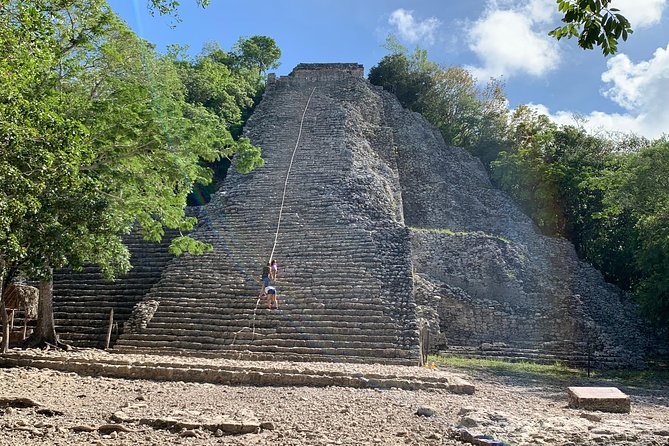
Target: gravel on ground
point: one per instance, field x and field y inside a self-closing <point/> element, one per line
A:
<point x="70" y="409"/>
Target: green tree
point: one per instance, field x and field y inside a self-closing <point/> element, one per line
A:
<point x="97" y="137"/>
<point x="258" y="52"/>
<point x="523" y="171"/>
<point x="560" y="176"/>
<point x="403" y="76"/>
<point x="467" y="115"/>
<point x="41" y="148"/>
<point x="452" y="105"/>
<point x="641" y="190"/>
<point x="215" y="81"/>
<point x="593" y="23"/>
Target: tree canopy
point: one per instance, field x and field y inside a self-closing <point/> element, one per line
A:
<point x="593" y="23"/>
<point x="467" y="115"/>
<point x="99" y="134"/>
<point x="258" y="52"/>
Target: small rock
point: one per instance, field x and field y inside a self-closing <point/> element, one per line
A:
<point x="188" y="434"/>
<point x="434" y="436"/>
<point x="602" y="431"/>
<point x="83" y="428"/>
<point x="498" y="418"/>
<point x="218" y="433"/>
<point x="49" y="412"/>
<point x="109" y="428"/>
<point x="425" y="412"/>
<point x="469" y="422"/>
<point x="466" y="410"/>
<point x="590" y="416"/>
<point x="267" y="425"/>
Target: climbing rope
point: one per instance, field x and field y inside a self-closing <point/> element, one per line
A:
<point x="278" y="224"/>
<point x="285" y="184"/>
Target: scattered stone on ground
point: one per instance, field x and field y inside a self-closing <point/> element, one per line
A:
<point x="17" y="402"/>
<point x="514" y="410"/>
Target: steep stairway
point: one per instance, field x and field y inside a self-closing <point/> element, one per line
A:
<point x="344" y="280"/>
<point x="83" y="299"/>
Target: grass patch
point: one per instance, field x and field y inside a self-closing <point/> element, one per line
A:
<point x="556" y="370"/>
<point x="456" y="233"/>
<point x="656" y="376"/>
<point x="438" y="230"/>
<point x="652" y="377"/>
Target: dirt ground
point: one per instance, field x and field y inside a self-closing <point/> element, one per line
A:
<point x="518" y="410"/>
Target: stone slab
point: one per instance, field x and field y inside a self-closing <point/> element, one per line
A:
<point x="605" y="399"/>
<point x="227" y="372"/>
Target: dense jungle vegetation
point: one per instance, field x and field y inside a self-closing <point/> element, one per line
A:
<point x="608" y="194"/>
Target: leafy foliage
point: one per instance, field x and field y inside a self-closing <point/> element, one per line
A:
<point x="449" y="98"/>
<point x="592" y="22"/>
<point x="611" y="203"/>
<point x="398" y="74"/>
<point x="257" y="52"/>
<point x="165" y="7"/>
<point x="640" y="190"/>
<point x="99" y="135"/>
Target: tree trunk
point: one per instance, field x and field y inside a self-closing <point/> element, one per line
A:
<point x="45" y="329"/>
<point x="3" y="310"/>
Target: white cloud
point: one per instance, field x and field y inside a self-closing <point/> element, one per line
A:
<point x="512" y="39"/>
<point x="411" y="30"/>
<point x="642" y="89"/>
<point x="641" y="13"/>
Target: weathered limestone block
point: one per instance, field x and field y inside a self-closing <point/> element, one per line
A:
<point x="605" y="399"/>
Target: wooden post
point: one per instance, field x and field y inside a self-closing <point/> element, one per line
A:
<point x="25" y="323"/>
<point x="109" y="330"/>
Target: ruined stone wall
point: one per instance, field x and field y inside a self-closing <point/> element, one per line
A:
<point x="325" y="71"/>
<point x="485" y="273"/>
<point x="367" y="192"/>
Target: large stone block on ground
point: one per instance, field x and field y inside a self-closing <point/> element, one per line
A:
<point x="606" y="399"/>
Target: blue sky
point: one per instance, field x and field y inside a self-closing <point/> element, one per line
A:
<point x="504" y="38"/>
